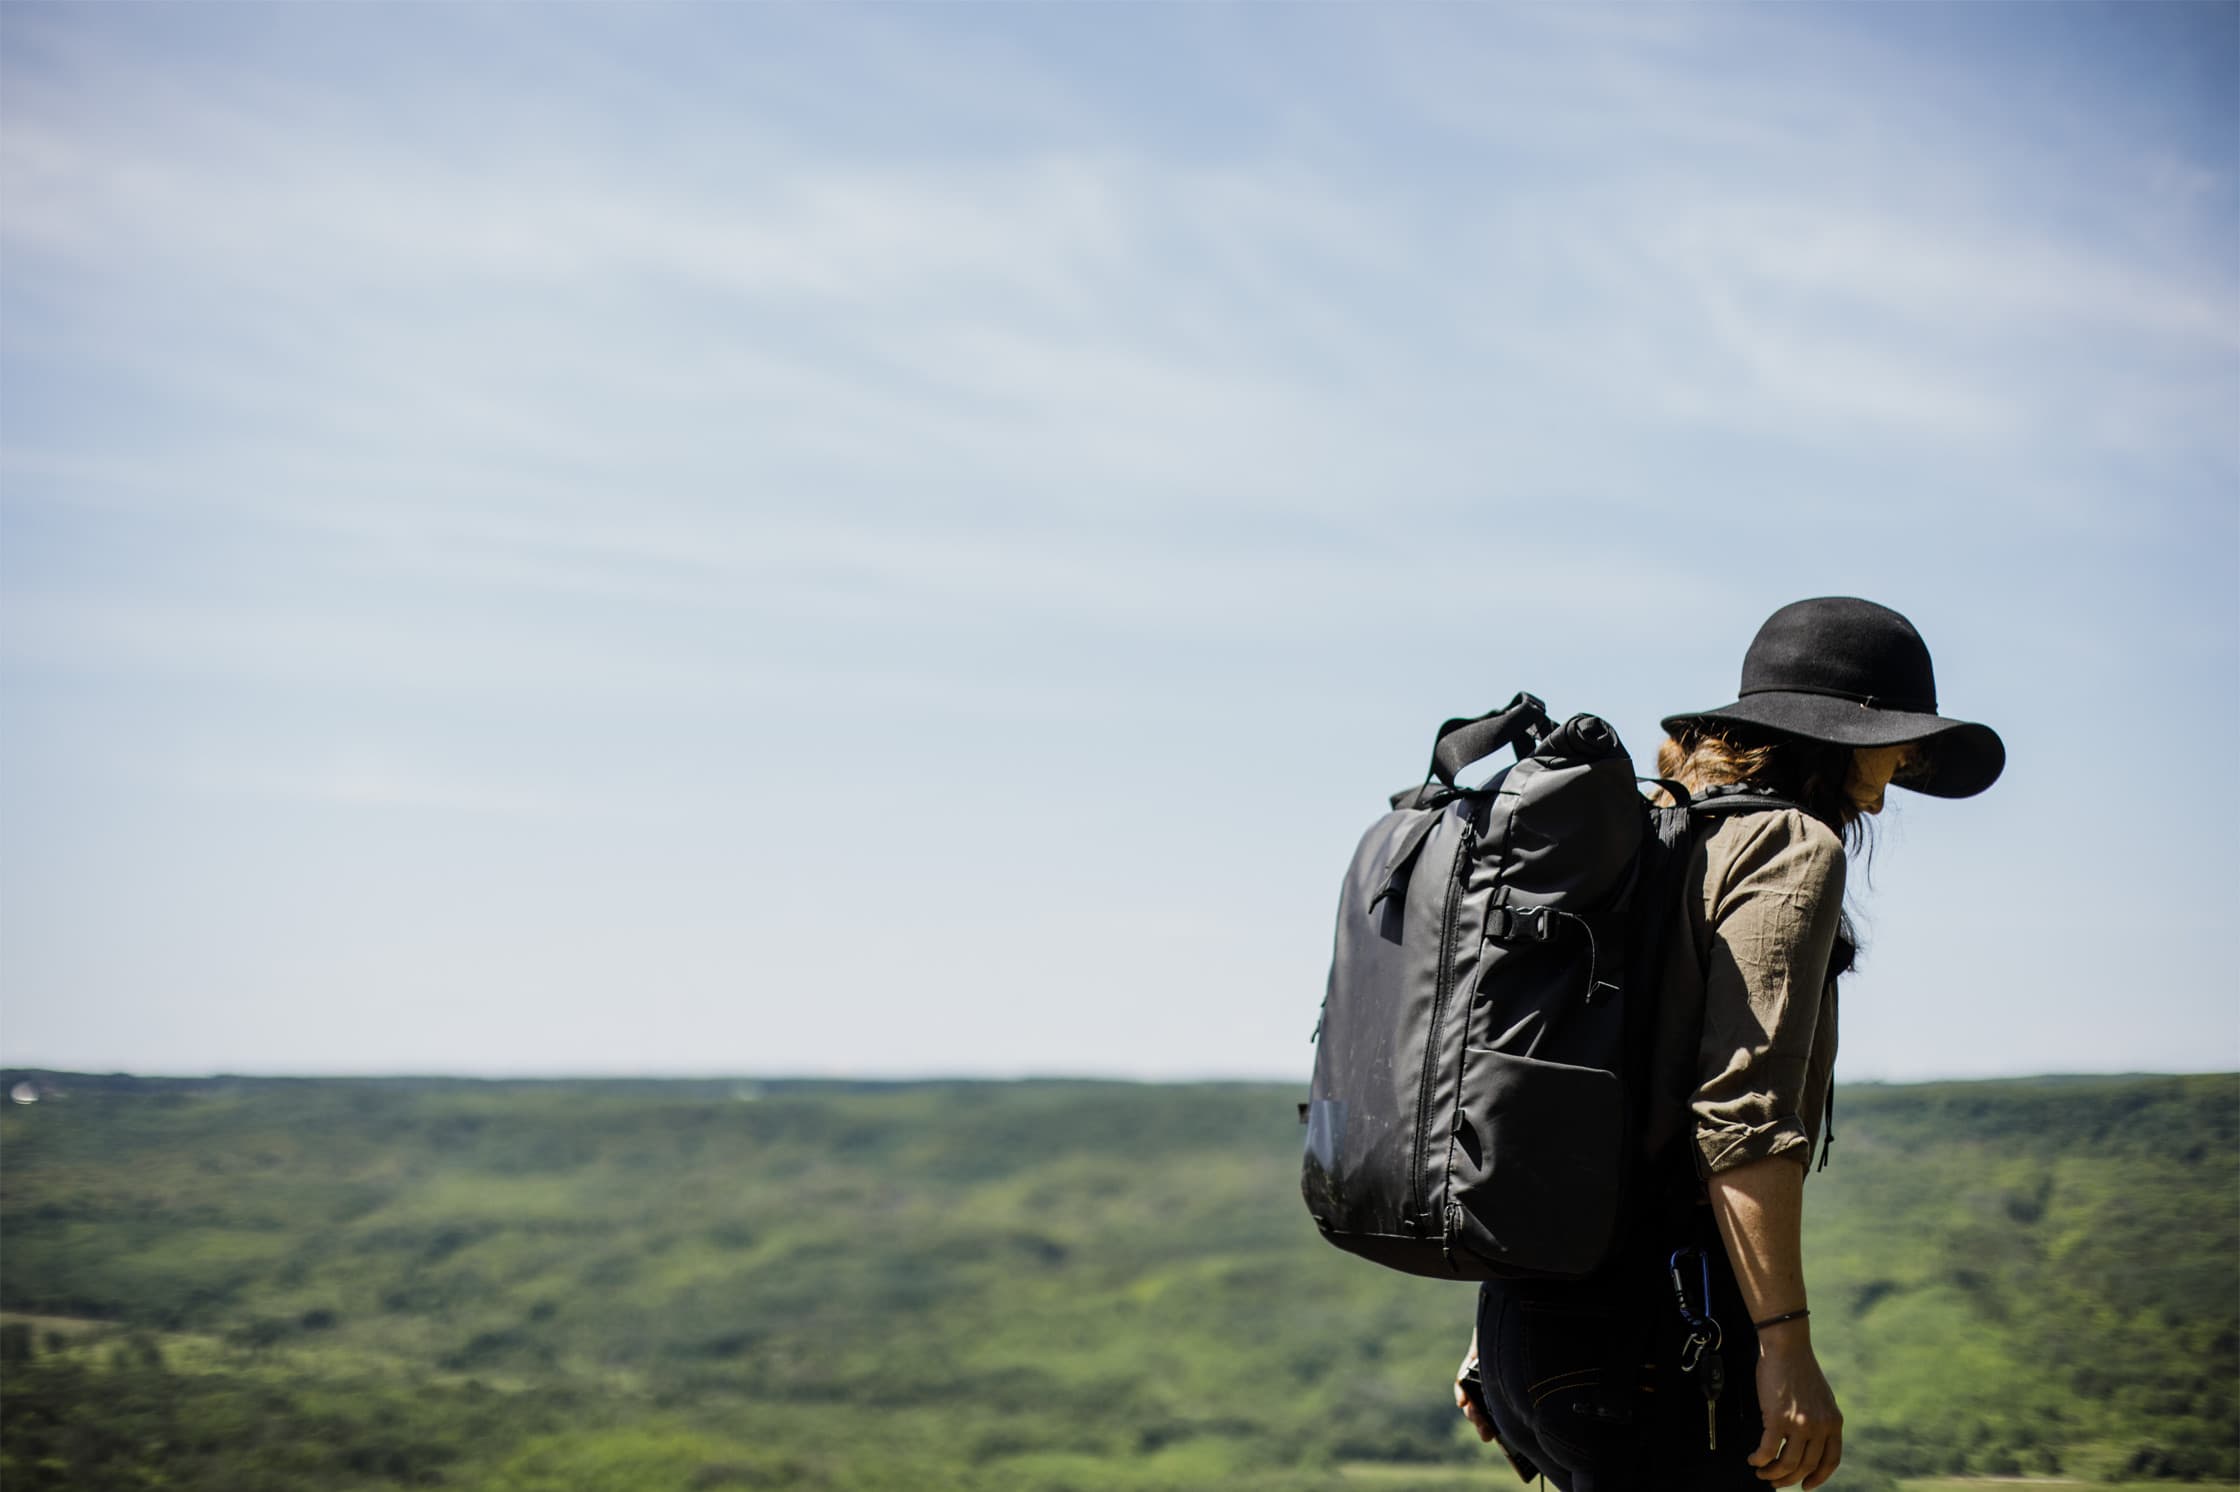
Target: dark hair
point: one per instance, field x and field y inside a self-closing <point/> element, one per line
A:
<point x="1814" y="775"/>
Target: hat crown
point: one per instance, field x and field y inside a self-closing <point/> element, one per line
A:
<point x="1845" y="647"/>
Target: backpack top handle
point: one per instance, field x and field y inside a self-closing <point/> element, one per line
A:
<point x="1521" y="721"/>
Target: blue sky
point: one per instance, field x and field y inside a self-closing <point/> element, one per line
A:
<point x="905" y="540"/>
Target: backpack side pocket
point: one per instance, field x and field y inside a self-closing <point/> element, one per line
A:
<point x="1539" y="1158"/>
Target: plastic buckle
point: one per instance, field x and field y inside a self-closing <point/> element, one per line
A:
<point x="1515" y="924"/>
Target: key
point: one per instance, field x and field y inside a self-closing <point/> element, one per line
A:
<point x="1712" y="1376"/>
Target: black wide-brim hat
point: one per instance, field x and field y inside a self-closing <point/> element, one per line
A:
<point x="1851" y="673"/>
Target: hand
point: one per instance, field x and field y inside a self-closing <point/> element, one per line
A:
<point x="1804" y="1429"/>
<point x="1472" y="1409"/>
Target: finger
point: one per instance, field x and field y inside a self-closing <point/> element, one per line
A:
<point x="1798" y="1458"/>
<point x="1831" y="1456"/>
<point x="1768" y="1449"/>
<point x="1782" y="1469"/>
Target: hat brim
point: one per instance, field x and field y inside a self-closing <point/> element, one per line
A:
<point x="1956" y="759"/>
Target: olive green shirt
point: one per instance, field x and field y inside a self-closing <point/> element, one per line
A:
<point x="1746" y="993"/>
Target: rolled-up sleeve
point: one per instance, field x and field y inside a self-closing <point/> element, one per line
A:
<point x="1770" y="915"/>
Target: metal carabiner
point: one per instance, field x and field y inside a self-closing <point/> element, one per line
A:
<point x="1703" y="1327"/>
<point x="1698" y="1320"/>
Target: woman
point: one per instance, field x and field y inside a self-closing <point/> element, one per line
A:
<point x="1688" y="1362"/>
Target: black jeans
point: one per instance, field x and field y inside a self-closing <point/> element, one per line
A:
<point x="1583" y="1379"/>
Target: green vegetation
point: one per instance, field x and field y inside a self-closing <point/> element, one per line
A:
<point x="624" y="1287"/>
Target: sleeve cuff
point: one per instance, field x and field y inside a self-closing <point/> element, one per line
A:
<point x="1724" y="1147"/>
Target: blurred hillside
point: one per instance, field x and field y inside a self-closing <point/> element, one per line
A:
<point x="612" y="1286"/>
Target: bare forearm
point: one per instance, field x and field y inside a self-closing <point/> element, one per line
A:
<point x="1760" y="1208"/>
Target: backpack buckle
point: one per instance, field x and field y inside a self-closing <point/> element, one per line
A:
<point x="1517" y="924"/>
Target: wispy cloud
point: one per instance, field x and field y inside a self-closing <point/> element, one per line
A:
<point x="1052" y="311"/>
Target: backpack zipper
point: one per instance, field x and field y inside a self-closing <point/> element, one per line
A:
<point x="1440" y="991"/>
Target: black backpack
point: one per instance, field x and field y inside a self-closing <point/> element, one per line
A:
<point x="1477" y="1102"/>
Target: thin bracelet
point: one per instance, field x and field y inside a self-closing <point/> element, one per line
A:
<point x="1798" y="1315"/>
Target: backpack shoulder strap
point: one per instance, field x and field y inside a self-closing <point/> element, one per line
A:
<point x="1735" y="797"/>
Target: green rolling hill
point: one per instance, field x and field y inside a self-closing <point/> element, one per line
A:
<point x="614" y="1286"/>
